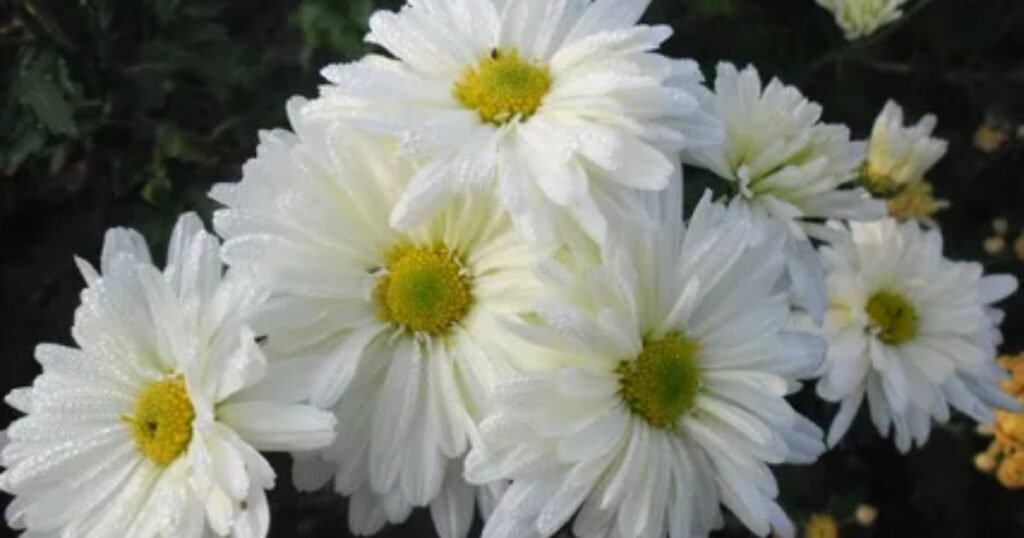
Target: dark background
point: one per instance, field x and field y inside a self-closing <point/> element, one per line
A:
<point x="124" y="112"/>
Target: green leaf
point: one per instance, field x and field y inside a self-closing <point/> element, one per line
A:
<point x="181" y="145"/>
<point x="334" y="27"/>
<point x="28" y="141"/>
<point x="38" y="88"/>
<point x="158" y="188"/>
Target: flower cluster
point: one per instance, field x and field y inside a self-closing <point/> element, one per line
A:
<point x="1005" y="455"/>
<point x="465" y="279"/>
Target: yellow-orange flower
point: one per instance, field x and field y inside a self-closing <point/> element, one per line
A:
<point x="866" y="515"/>
<point x="990" y="138"/>
<point x="1005" y="456"/>
<point x="821" y="526"/>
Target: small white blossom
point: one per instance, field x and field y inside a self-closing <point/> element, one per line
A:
<point x="911" y="330"/>
<point x="899" y="155"/>
<point x="387" y="328"/>
<point x="563" y="104"/>
<point x="675" y="356"/>
<point x="150" y="426"/>
<point x="861" y="18"/>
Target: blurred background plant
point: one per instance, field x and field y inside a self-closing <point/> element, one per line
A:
<point x="124" y="112"/>
<point x="152" y="99"/>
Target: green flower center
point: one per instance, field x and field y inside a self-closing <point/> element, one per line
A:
<point x="662" y="382"/>
<point x="425" y="289"/>
<point x="503" y="87"/>
<point x="893" y="317"/>
<point x="162" y="422"/>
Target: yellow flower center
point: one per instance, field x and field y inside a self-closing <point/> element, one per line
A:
<point x="821" y="526"/>
<point x="878" y="180"/>
<point x="662" y="382"/>
<point x="503" y="87"/>
<point x="425" y="289"/>
<point x="893" y="317"/>
<point x="162" y="422"/>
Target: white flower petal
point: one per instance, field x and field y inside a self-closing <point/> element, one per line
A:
<point x="452" y="510"/>
<point x="842" y="421"/>
<point x="995" y="288"/>
<point x="396" y="408"/>
<point x="607" y="15"/>
<point x="279" y="427"/>
<point x="339" y="366"/>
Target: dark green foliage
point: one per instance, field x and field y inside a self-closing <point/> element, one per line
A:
<point x="152" y="100"/>
<point x="124" y="112"/>
<point x="710" y="8"/>
<point x="331" y="27"/>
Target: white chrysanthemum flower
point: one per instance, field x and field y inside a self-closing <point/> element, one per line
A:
<point x="151" y="426"/>
<point x="385" y="327"/>
<point x="562" y="103"/>
<point x="861" y="18"/>
<point x="898" y="155"/>
<point x="912" y="330"/>
<point x="786" y="166"/>
<point x="782" y="161"/>
<point x="677" y="356"/>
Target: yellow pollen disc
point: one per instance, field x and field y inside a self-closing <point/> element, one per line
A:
<point x="821" y="526"/>
<point x="662" y="382"/>
<point x="162" y="422"/>
<point x="893" y="317"/>
<point x="503" y="87"/>
<point x="425" y="289"/>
